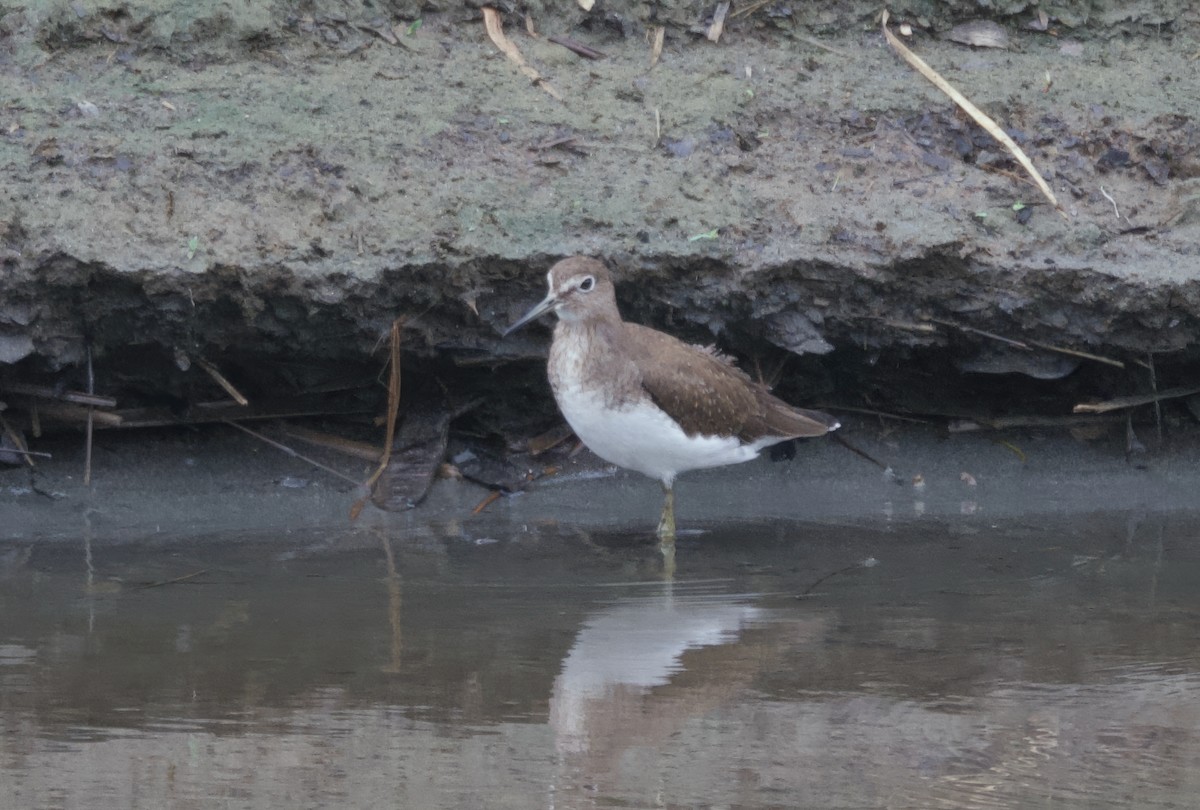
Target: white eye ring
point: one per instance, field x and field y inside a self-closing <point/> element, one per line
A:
<point x="587" y="283"/>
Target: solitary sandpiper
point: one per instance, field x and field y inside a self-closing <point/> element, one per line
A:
<point x="646" y="401"/>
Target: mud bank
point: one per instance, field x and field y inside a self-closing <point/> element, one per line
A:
<point x="218" y="484"/>
<point x="267" y="189"/>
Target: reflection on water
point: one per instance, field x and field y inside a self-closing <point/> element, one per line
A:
<point x="623" y="651"/>
<point x="974" y="666"/>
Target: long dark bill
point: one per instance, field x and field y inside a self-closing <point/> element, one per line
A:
<point x="538" y="311"/>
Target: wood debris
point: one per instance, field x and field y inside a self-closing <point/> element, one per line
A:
<point x="417" y="453"/>
<point x="1120" y="403"/>
<point x="91" y="420"/>
<point x="550" y="439"/>
<point x="717" y="27"/>
<point x="13" y="445"/>
<point x="1008" y="422"/>
<point x="495" y="31"/>
<point x="577" y="47"/>
<point x="290" y="451"/>
<point x="970" y="109"/>
<point x="349" y="447"/>
<point x="393" y="410"/>
<point x="221" y="380"/>
<point x="46" y="392"/>
<point x="657" y="35"/>
<point x="1029" y="345"/>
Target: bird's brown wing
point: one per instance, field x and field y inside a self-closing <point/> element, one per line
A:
<point x="708" y="395"/>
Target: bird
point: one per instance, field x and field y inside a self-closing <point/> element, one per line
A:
<point x="646" y="401"/>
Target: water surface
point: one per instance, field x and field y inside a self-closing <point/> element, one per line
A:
<point x="933" y="663"/>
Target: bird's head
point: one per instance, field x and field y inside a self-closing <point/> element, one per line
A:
<point x="580" y="289"/>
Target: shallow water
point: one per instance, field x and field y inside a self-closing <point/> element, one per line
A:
<point x="934" y="663"/>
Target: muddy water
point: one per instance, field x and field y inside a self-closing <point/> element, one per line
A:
<point x="925" y="664"/>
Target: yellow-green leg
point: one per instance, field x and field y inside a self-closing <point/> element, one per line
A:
<point x="666" y="532"/>
<point x="666" y="524"/>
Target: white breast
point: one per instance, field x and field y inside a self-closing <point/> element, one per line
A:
<point x="634" y="433"/>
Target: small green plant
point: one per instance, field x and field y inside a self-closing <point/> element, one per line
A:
<point x="413" y="27"/>
<point x="713" y="234"/>
<point x="192" y="246"/>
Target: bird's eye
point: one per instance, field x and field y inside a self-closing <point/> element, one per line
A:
<point x="587" y="284"/>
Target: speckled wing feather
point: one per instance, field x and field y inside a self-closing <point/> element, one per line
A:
<point x="709" y="396"/>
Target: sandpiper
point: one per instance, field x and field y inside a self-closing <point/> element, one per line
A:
<point x="646" y="401"/>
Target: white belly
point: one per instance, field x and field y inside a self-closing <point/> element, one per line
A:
<point x="639" y="436"/>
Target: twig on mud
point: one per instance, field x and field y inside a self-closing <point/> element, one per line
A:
<point x="91" y="420"/>
<point x="816" y="43"/>
<point x="492" y="497"/>
<point x="495" y="31"/>
<point x="548" y="440"/>
<point x="860" y="452"/>
<point x="1118" y="403"/>
<point x="577" y="47"/>
<point x="970" y="109"/>
<point x="290" y="451"/>
<point x="1030" y="345"/>
<point x="183" y="578"/>
<point x="61" y="412"/>
<point x="199" y="414"/>
<point x="656" y="44"/>
<point x="982" y="333"/>
<point x="28" y="454"/>
<point x="718" y="22"/>
<point x="18" y="443"/>
<point x="924" y="328"/>
<point x="1158" y="422"/>
<point x="222" y="381"/>
<point x="44" y="392"/>
<point x="383" y="33"/>
<point x="977" y="423"/>
<point x="1076" y="353"/>
<point x="393" y="411"/>
<point x="870" y="562"/>
<point x="1108" y="197"/>
<point x="917" y="179"/>
<point x="349" y="447"/>
<point x="750" y="8"/>
<point x="567" y="143"/>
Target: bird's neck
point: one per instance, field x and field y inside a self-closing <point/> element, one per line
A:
<point x="585" y="355"/>
<point x="589" y="326"/>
